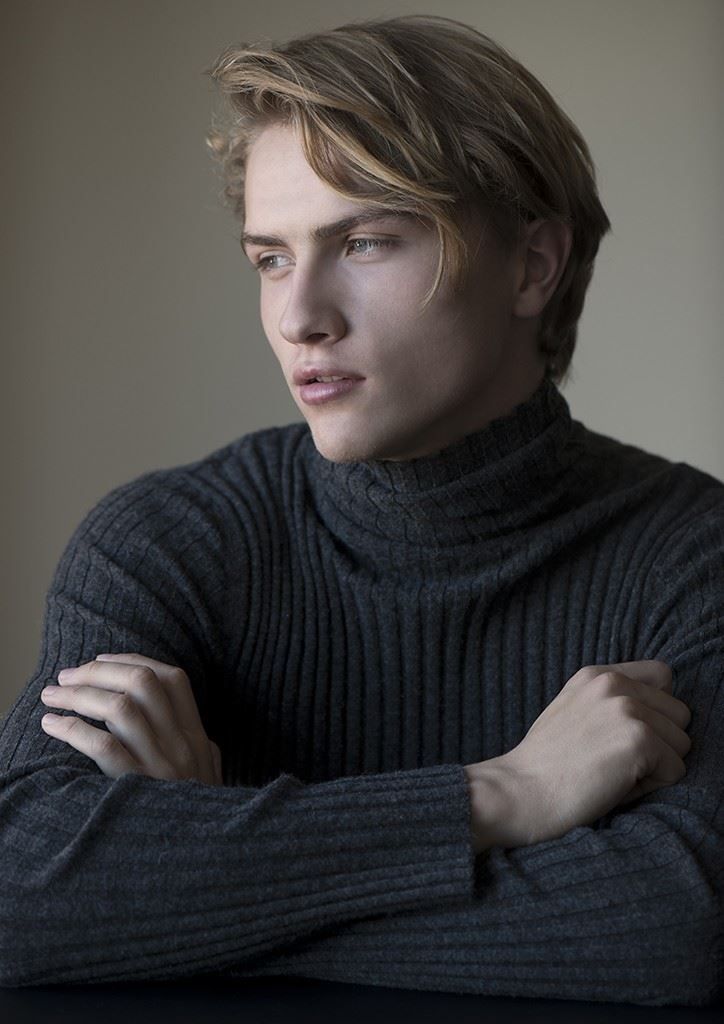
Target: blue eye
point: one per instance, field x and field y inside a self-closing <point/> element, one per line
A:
<point x="265" y="263"/>
<point x="371" y="245"/>
<point x="378" y="243"/>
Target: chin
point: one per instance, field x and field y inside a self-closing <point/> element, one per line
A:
<point x="341" y="448"/>
<point x="339" y="452"/>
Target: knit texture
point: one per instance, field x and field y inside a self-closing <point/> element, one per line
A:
<point x="356" y="633"/>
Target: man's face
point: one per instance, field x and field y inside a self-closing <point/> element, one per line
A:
<point x="351" y="302"/>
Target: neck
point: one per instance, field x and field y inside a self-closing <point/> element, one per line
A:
<point x="458" y="502"/>
<point x="516" y="384"/>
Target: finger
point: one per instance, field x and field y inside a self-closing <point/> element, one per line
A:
<point x="176" y="684"/>
<point x="100" y="746"/>
<point x="663" y="703"/>
<point x="652" y="685"/>
<point x="652" y="672"/>
<point x="180" y="694"/>
<point x="669" y="770"/>
<point x="138" y="681"/>
<point x="124" y="718"/>
<point x="667" y="730"/>
<point x="164" y="694"/>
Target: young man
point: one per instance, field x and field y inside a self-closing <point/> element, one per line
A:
<point x="460" y="656"/>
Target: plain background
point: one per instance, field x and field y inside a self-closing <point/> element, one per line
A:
<point x="130" y="328"/>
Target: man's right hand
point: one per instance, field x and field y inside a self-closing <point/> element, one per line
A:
<point x="612" y="734"/>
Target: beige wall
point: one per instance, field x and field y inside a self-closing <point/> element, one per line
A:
<point x="130" y="334"/>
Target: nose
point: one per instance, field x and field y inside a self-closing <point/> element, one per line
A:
<point x="312" y="312"/>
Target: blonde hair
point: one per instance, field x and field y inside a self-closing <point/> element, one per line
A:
<point x="427" y="114"/>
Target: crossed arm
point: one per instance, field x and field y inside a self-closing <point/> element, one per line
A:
<point x="371" y="878"/>
<point x="613" y="734"/>
<point x="580" y="912"/>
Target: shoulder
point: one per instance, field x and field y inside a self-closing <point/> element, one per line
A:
<point x="199" y="498"/>
<point x="665" y="518"/>
<point x="668" y="521"/>
<point x="676" y="493"/>
<point x="693" y="541"/>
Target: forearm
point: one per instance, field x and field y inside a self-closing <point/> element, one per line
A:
<point x="137" y="878"/>
<point x="619" y="914"/>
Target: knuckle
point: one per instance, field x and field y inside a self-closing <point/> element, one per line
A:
<point x="123" y="706"/>
<point x="608" y="682"/>
<point x="142" y="677"/>
<point x="141" y="673"/>
<point x="105" y="744"/>
<point x="179" y="678"/>
<point x="639" y="733"/>
<point x="584" y="675"/>
<point x="663" y="668"/>
<point x="626" y="706"/>
<point x="640" y="771"/>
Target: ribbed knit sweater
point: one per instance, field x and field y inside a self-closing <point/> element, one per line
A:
<point x="356" y="633"/>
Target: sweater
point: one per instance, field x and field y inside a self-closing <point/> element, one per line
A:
<point x="354" y="634"/>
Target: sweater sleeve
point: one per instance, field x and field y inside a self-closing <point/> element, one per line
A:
<point x="138" y="878"/>
<point x="627" y="910"/>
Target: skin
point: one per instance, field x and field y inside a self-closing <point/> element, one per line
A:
<point x="431" y="377"/>
<point x="154" y="727"/>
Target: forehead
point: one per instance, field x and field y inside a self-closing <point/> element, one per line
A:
<point x="278" y="177"/>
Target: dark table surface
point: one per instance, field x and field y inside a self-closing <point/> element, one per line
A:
<point x="273" y="1000"/>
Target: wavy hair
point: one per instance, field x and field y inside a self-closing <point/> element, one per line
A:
<point x="427" y="114"/>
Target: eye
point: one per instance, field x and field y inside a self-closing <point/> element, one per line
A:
<point x="376" y="243"/>
<point x="265" y="263"/>
<point x="368" y="245"/>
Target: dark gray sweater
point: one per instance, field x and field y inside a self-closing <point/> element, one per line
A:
<point x="355" y="634"/>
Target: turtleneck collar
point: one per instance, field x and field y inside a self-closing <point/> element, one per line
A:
<point x="504" y="477"/>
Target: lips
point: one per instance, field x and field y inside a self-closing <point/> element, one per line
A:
<point x="331" y="391"/>
<point x="307" y="374"/>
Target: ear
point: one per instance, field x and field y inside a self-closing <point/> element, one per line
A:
<point x="543" y="255"/>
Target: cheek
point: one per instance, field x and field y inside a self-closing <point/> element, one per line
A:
<point x="265" y="311"/>
<point x="269" y="316"/>
<point x="389" y="310"/>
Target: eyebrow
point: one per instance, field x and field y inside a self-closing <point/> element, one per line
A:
<point x="336" y="227"/>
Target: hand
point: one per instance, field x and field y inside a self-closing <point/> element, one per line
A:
<point x="612" y="734"/>
<point x="149" y="708"/>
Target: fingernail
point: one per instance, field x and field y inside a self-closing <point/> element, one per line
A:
<point x="64" y="673"/>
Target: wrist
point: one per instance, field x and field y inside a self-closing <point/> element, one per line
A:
<point x="492" y="805"/>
